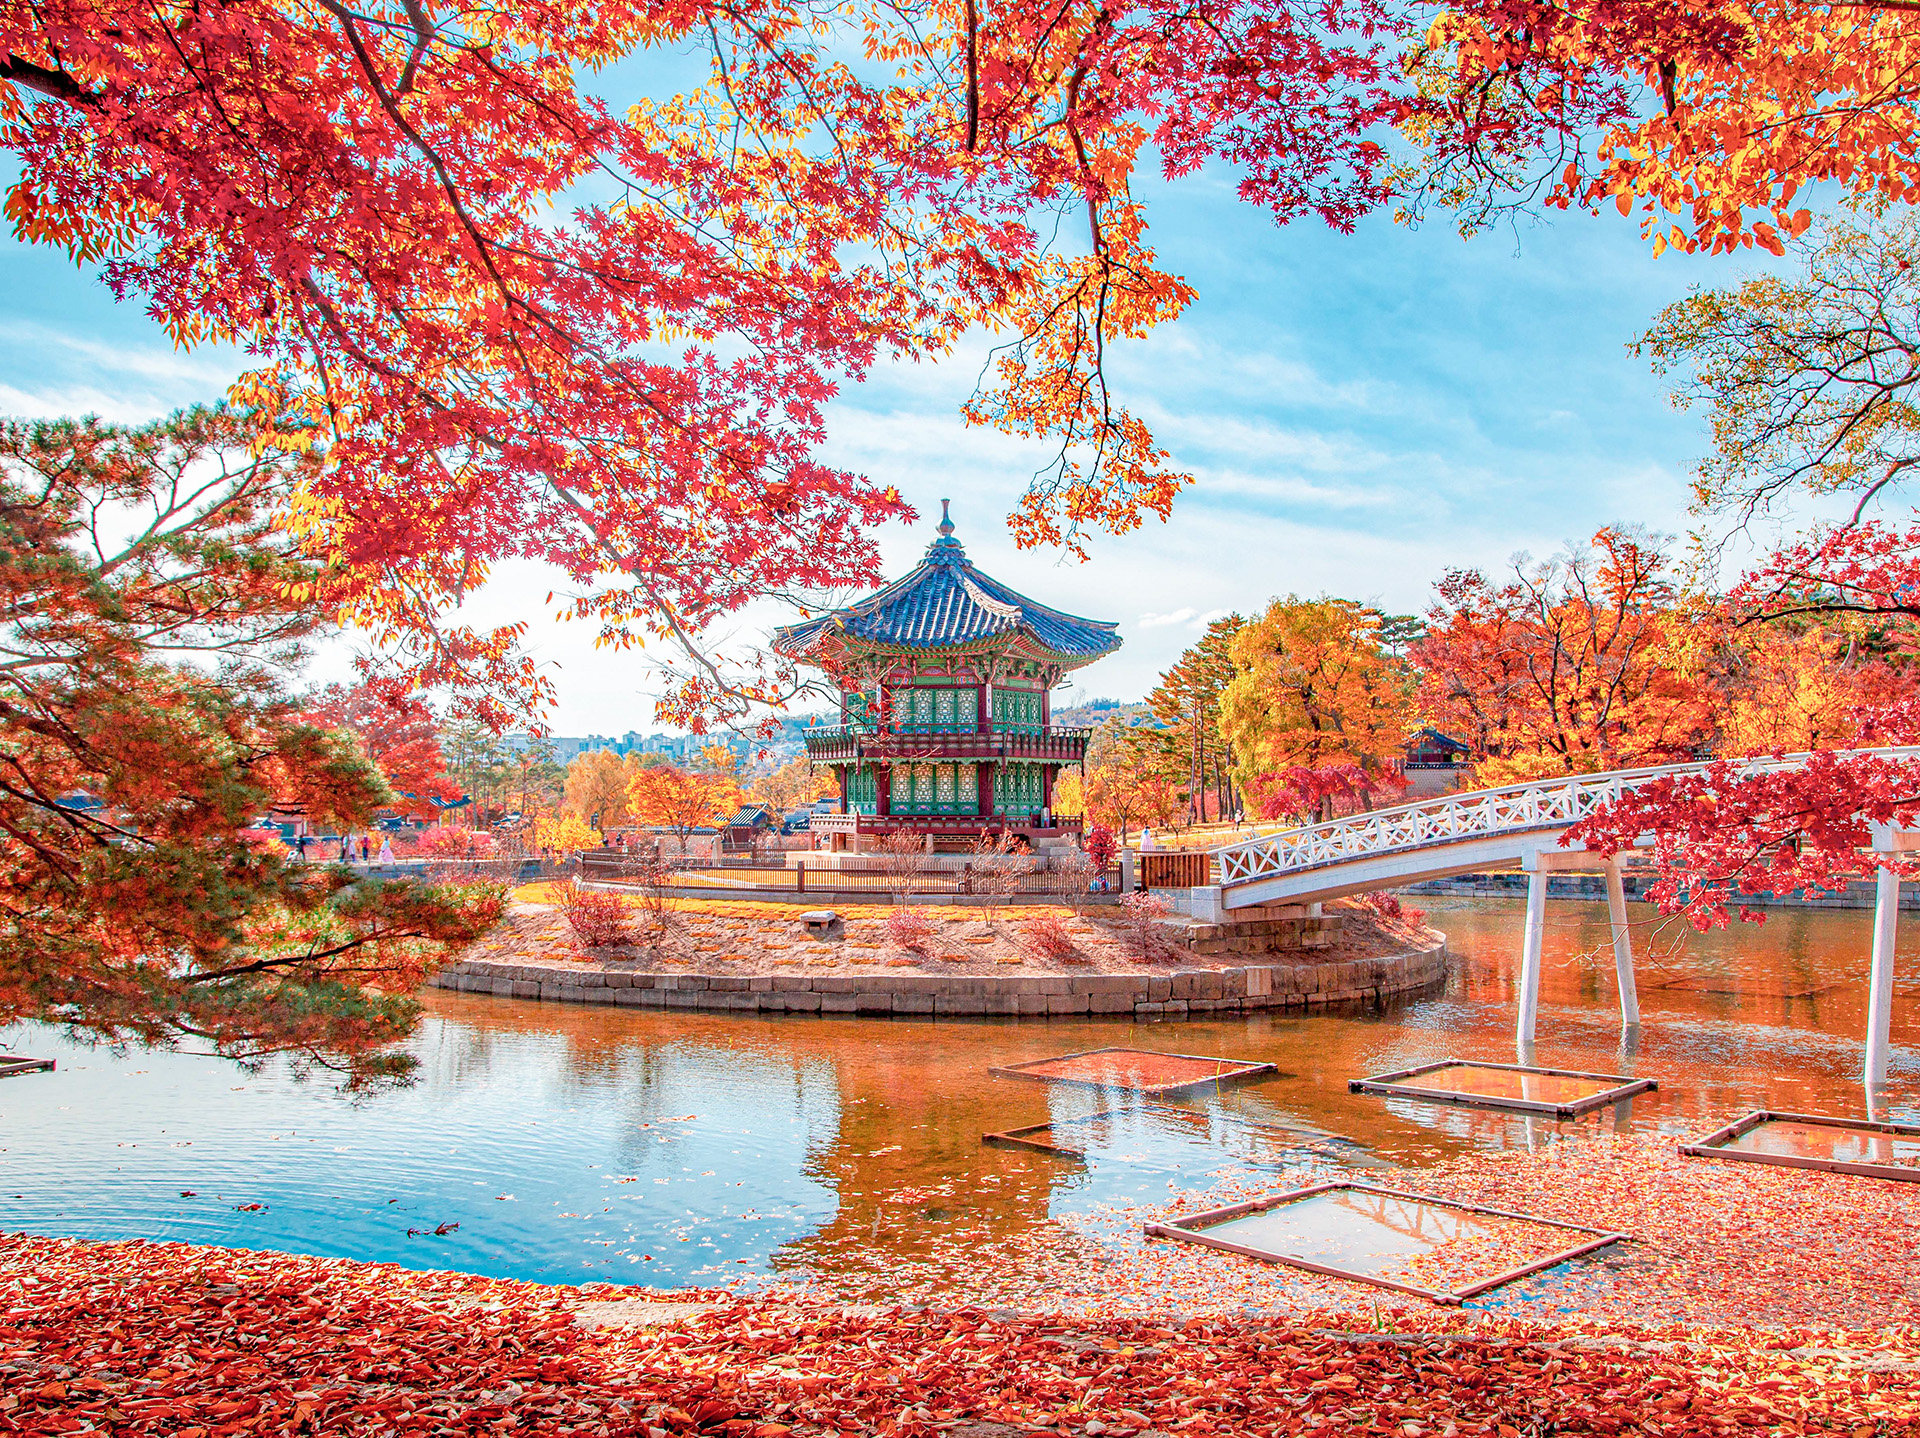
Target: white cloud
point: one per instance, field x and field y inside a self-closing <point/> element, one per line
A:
<point x="1163" y="621"/>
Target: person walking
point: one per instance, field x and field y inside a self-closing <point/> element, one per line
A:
<point x="300" y="847"/>
<point x="366" y="848"/>
<point x="386" y="849"/>
<point x="346" y="848"/>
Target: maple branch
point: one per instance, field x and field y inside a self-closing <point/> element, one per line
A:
<point x="55" y="84"/>
<point x="1894" y="469"/>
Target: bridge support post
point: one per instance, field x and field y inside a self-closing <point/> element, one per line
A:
<point x="1530" y="954"/>
<point x="1622" y="945"/>
<point x="1886" y="924"/>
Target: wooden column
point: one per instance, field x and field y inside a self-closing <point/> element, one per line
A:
<point x="1530" y="960"/>
<point x="1622" y="945"/>
<point x="1886" y="926"/>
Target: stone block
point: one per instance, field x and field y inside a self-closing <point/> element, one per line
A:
<point x="619" y="981"/>
<point x="1259" y="982"/>
<point x="634" y="998"/>
<point x="800" y="1001"/>
<point x="958" y="1004"/>
<point x="835" y="984"/>
<point x="832" y="1002"/>
<point x="761" y="985"/>
<point x="1103" y="984"/>
<point x="522" y="989"/>
<point x="873" y="1003"/>
<point x="913" y="1003"/>
<point x="1119" y="1003"/>
<point x="1145" y="1010"/>
<point x="1174" y="1008"/>
<point x="683" y="998"/>
<point x="1067" y="1003"/>
<point x="1159" y="990"/>
<point x="727" y="984"/>
<point x="1029" y="1003"/>
<point x="998" y="1002"/>
<point x="683" y="982"/>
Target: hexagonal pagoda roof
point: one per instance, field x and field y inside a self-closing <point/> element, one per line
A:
<point x="944" y="604"/>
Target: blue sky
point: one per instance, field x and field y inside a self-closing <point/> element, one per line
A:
<point x="1361" y="411"/>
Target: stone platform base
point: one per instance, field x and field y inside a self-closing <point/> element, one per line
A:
<point x="1177" y="994"/>
<point x="1294" y="934"/>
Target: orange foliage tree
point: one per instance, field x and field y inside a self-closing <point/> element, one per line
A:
<point x="399" y="733"/>
<point x="1567" y="666"/>
<point x="528" y="320"/>
<point x="1318" y="707"/>
<point x="137" y="908"/>
<point x="1126" y="779"/>
<point x="681" y="799"/>
<point x="1705" y="117"/>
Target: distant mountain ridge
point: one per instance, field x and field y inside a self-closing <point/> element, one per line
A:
<point x="1097" y="711"/>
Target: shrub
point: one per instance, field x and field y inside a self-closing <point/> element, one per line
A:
<point x="900" y="857"/>
<point x="1101" y="847"/>
<point x="1047" y="937"/>
<point x="450" y="842"/>
<point x="1388" y="913"/>
<point x="1141" y="912"/>
<point x="909" y="929"/>
<point x="1069" y="875"/>
<point x="598" y="918"/>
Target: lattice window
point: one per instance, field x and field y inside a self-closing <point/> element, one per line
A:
<point x="900" y="795"/>
<point x="923" y="787"/>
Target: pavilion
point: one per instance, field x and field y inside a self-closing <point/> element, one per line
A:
<point x="944" y="679"/>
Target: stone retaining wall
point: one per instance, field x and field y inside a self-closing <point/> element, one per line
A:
<point x="1263" y="936"/>
<point x="1180" y="993"/>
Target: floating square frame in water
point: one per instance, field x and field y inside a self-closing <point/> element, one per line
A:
<point x="1058" y="1069"/>
<point x="11" y="1064"/>
<point x="1401" y="1084"/>
<point x="1191" y="1229"/>
<point x="1027" y="1136"/>
<point x="1709" y="1146"/>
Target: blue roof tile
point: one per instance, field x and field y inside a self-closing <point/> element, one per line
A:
<point x="944" y="603"/>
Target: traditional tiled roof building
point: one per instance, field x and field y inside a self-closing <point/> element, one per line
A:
<point x="944" y="677"/>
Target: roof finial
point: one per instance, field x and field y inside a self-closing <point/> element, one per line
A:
<point x="946" y="549"/>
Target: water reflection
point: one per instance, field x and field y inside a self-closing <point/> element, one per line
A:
<point x="683" y="1149"/>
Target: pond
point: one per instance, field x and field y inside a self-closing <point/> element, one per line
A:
<point x="564" y="1143"/>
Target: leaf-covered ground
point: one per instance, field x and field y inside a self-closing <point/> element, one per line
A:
<point x="1713" y="1243"/>
<point x="1756" y="1301"/>
<point x="743" y="937"/>
<point x="141" y="1339"/>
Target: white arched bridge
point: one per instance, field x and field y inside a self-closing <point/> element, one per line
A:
<point x="1518" y="826"/>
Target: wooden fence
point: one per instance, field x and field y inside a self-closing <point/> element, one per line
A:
<point x="1176" y="870"/>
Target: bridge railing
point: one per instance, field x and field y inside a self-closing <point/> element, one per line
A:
<point x="1541" y="804"/>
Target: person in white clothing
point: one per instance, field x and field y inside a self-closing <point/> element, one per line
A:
<point x="1146" y="841"/>
<point x="386" y="850"/>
